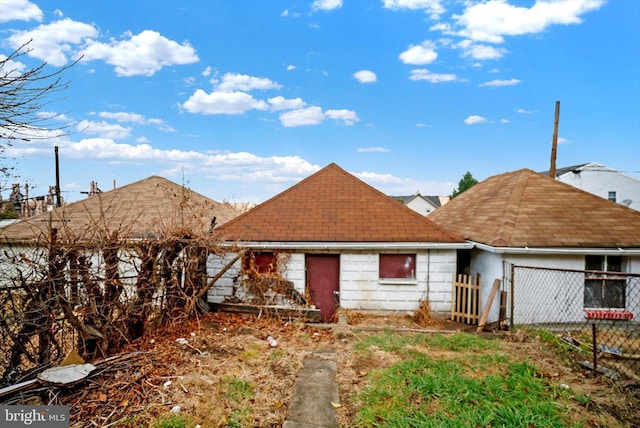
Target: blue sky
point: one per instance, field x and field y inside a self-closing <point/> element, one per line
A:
<point x="239" y="100"/>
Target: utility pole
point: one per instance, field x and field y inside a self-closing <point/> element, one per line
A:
<point x="58" y="202"/>
<point x="554" y="143"/>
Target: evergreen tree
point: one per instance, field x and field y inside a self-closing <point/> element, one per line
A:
<point x="465" y="183"/>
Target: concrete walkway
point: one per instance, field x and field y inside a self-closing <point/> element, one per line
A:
<point x="315" y="389"/>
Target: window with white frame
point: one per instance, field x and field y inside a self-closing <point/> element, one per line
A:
<point x="397" y="266"/>
<point x="602" y="287"/>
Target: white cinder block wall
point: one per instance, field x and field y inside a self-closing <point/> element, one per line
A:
<point x="360" y="287"/>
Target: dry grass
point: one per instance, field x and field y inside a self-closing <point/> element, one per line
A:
<point x="226" y="374"/>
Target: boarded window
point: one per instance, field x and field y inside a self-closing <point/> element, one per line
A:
<point x="397" y="266"/>
<point x="260" y="262"/>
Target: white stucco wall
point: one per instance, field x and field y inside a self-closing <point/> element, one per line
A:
<point x="360" y="287"/>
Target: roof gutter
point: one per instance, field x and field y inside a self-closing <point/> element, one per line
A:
<point x="557" y="250"/>
<point x="350" y="245"/>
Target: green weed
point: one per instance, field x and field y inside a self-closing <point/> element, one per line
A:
<point x="481" y="389"/>
<point x="173" y="421"/>
<point x="236" y="389"/>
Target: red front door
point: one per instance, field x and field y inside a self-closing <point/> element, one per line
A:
<point x="323" y="283"/>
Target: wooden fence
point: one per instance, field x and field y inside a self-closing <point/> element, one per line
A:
<point x="465" y="299"/>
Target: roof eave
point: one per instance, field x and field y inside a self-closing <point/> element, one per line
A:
<point x="557" y="250"/>
<point x="275" y="245"/>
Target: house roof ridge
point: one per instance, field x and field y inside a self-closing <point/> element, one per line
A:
<point x="512" y="210"/>
<point x="333" y="205"/>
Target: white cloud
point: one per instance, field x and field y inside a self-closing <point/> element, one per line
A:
<point x="291" y="67"/>
<point x="491" y="20"/>
<point x="103" y="129"/>
<point x="281" y="103"/>
<point x="124" y="117"/>
<point x="287" y="13"/>
<point x="207" y="71"/>
<point x="424" y="74"/>
<point x="222" y="103"/>
<point x="524" y="111"/>
<point x="52" y="43"/>
<point x="480" y="51"/>
<point x="326" y="5"/>
<point x="302" y="117"/>
<point x="373" y="150"/>
<point x="509" y="82"/>
<point x="225" y="166"/>
<point x="504" y="121"/>
<point x="19" y="10"/>
<point x="141" y="54"/>
<point x="475" y="119"/>
<point x="349" y="117"/>
<point x="420" y="54"/>
<point x="12" y="68"/>
<point x="393" y="185"/>
<point x="365" y="76"/>
<point x="434" y="7"/>
<point x="241" y="82"/>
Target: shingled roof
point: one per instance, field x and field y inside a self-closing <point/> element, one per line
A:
<point x="527" y="209"/>
<point x="143" y="209"/>
<point x="334" y="206"/>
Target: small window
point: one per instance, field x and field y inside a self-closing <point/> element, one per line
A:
<point x="612" y="196"/>
<point x="397" y="266"/>
<point x="603" y="288"/>
<point x="260" y="262"/>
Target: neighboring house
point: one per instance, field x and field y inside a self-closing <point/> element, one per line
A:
<point x="139" y="210"/>
<point x="529" y="219"/>
<point x="147" y="210"/>
<point x="421" y="204"/>
<point x="602" y="181"/>
<point x="342" y="243"/>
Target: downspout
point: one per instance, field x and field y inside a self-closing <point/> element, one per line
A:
<point x="428" y="272"/>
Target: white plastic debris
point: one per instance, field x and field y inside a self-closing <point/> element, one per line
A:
<point x="182" y="341"/>
<point x="167" y="384"/>
<point x="272" y="342"/>
<point x="175" y="409"/>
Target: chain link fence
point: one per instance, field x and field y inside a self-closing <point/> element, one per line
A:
<point x="595" y="312"/>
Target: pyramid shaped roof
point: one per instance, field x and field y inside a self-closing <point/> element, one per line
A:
<point x="527" y="209"/>
<point x="144" y="209"/>
<point x="334" y="206"/>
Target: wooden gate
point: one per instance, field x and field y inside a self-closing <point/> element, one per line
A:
<point x="465" y="299"/>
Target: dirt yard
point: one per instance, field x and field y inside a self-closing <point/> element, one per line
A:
<point x="221" y="371"/>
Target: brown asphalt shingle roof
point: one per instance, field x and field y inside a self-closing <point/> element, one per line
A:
<point x="334" y="206"/>
<point x="144" y="209"/>
<point x="527" y="209"/>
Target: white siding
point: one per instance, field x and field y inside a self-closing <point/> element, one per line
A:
<point x="600" y="180"/>
<point x="543" y="298"/>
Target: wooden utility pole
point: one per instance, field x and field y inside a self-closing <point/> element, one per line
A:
<point x="554" y="143"/>
<point x="58" y="201"/>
